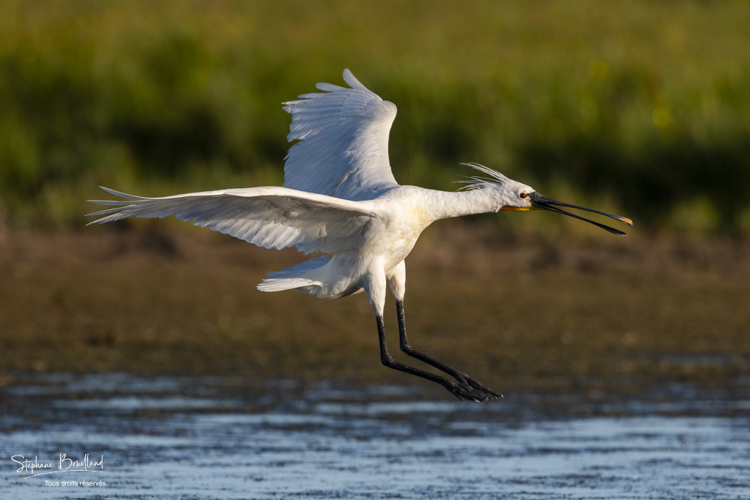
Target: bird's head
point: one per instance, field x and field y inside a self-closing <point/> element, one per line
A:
<point x="517" y="197"/>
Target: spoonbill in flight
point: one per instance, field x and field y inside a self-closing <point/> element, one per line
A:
<point x="340" y="199"/>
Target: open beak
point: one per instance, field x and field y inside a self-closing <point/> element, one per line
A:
<point x="542" y="202"/>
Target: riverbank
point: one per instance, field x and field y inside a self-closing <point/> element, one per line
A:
<point x="516" y="312"/>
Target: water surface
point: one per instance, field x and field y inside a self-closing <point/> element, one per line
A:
<point x="188" y="437"/>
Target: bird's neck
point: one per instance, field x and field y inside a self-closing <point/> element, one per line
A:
<point x="447" y="204"/>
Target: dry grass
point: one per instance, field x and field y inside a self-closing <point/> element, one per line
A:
<point x="515" y="311"/>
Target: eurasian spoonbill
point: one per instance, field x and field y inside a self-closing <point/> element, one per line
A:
<point x="340" y="199"/>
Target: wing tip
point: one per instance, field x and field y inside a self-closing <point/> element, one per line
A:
<point x="349" y="79"/>
<point x="352" y="81"/>
<point x="121" y="194"/>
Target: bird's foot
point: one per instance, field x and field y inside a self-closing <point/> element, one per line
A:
<point x="471" y="390"/>
<point x="478" y="386"/>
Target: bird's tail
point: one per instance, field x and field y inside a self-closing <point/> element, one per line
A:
<point x="295" y="277"/>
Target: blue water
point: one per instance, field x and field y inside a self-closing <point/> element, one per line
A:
<point x="181" y="437"/>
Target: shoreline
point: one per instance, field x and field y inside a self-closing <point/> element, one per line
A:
<point x="515" y="311"/>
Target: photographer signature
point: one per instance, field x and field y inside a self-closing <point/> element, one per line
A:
<point x="64" y="464"/>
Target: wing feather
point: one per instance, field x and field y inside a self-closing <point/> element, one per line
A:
<point x="343" y="148"/>
<point x="270" y="217"/>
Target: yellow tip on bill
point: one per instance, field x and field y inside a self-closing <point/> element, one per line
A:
<point x="625" y="220"/>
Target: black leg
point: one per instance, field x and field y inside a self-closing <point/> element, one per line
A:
<point x="462" y="390"/>
<point x="408" y="349"/>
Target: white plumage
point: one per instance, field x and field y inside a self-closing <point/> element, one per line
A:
<point x="340" y="198"/>
<point x="344" y="142"/>
<point x="270" y="217"/>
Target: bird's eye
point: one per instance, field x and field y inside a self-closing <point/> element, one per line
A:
<point x="522" y="195"/>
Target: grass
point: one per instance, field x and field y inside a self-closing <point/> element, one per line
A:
<point x="642" y="107"/>
<point x="517" y="312"/>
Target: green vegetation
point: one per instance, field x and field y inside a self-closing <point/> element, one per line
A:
<point x="641" y="106"/>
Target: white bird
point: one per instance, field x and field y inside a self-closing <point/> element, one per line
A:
<point x="340" y="199"/>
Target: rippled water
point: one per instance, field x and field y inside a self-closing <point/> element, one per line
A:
<point x="175" y="437"/>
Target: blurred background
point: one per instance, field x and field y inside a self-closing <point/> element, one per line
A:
<point x="640" y="108"/>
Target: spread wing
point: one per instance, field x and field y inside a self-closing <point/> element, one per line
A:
<point x="270" y="217"/>
<point x="343" y="148"/>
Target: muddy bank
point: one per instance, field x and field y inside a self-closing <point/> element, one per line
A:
<point x="514" y="311"/>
